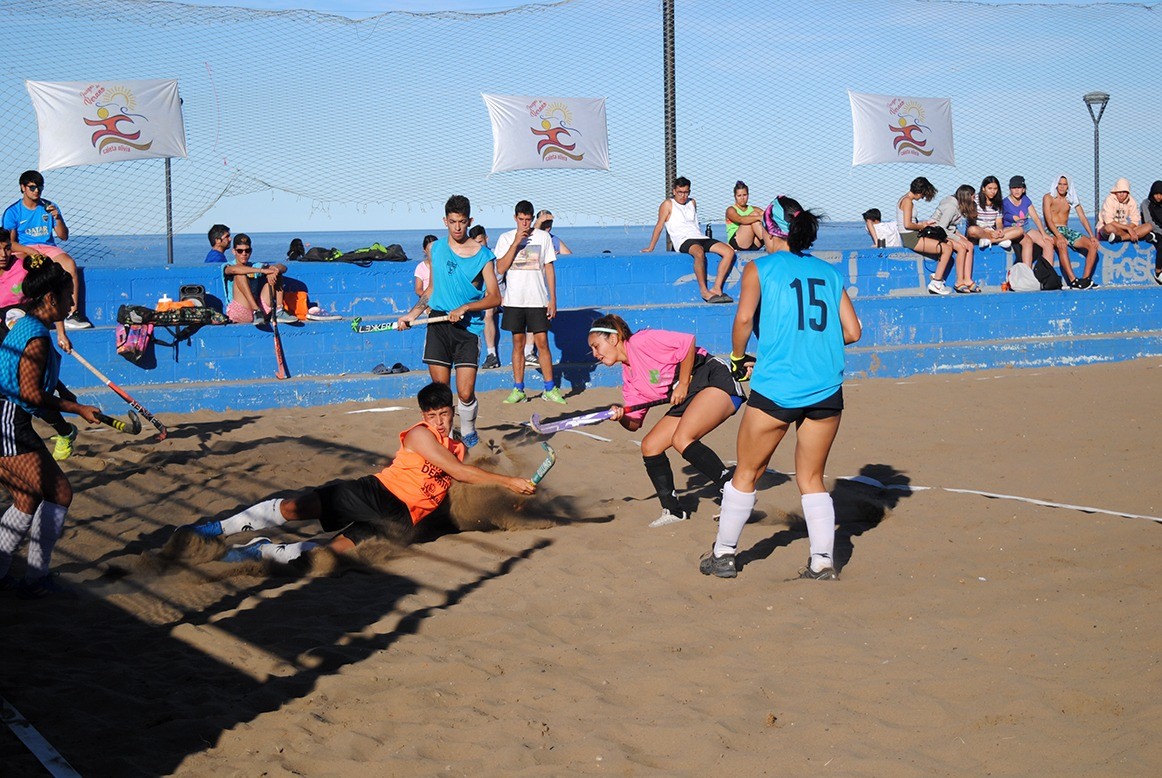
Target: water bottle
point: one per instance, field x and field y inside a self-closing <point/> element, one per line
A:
<point x="163" y="299"/>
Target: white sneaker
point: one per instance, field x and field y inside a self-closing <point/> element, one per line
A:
<point x="669" y="518"/>
<point x="985" y="243"/>
<point x="938" y="287"/>
<point x="1006" y="243"/>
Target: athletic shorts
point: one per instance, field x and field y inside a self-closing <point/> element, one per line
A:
<point x="758" y="244"/>
<point x="46" y="249"/>
<point x="449" y="345"/>
<point x="824" y="409"/>
<point x="1071" y="235"/>
<point x="705" y="243"/>
<point x="364" y="508"/>
<point x="518" y="320"/>
<point x="16" y="433"/>
<point x="710" y="372"/>
<point x="239" y="312"/>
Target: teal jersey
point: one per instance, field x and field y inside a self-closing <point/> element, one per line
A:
<point x="452" y="281"/>
<point x="800" y="356"/>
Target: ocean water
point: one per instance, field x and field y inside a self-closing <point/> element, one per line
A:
<point x="190" y="249"/>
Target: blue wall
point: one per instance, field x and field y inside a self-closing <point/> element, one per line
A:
<point x="906" y="331"/>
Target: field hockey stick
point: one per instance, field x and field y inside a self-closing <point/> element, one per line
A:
<point x="281" y="372"/>
<point x="546" y="466"/>
<point x="131" y="428"/>
<point x="580" y="420"/>
<point x="358" y="326"/>
<point x="124" y="395"/>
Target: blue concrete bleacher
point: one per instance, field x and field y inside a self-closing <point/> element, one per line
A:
<point x="906" y="330"/>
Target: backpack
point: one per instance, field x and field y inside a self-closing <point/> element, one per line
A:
<point x="1046" y="275"/>
<point x="133" y="340"/>
<point x="1021" y="278"/>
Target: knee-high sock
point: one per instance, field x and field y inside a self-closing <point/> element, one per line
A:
<point x="286" y="552"/>
<point x="265" y="514"/>
<point x="662" y="477"/>
<point x="736" y="508"/>
<point x="47" y="523"/>
<point x="708" y="463"/>
<point x="14" y="526"/>
<point x="467" y="417"/>
<point x="819" y="512"/>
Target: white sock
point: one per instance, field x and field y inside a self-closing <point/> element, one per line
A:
<point x="528" y="351"/>
<point x="14" y="526"/>
<point x="819" y="512"/>
<point x="286" y="552"/>
<point x="467" y="417"/>
<point x="736" y="508"/>
<point x="47" y="523"/>
<point x="491" y="351"/>
<point x="260" y="516"/>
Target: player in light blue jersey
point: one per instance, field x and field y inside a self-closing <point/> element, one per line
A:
<point x="805" y="320"/>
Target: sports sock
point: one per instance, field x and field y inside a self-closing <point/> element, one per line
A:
<point x="708" y="463"/>
<point x="736" y="509"/>
<point x="265" y="514"/>
<point x="819" y="513"/>
<point x="47" y="523"/>
<point x="491" y="351"/>
<point x="520" y="386"/>
<point x="14" y="525"/>
<point x="286" y="552"/>
<point x="467" y="417"/>
<point x="550" y="385"/>
<point x="662" y="477"/>
<point x="528" y="352"/>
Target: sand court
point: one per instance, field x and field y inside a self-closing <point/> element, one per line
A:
<point x="967" y="635"/>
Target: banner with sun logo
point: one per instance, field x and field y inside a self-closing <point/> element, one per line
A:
<point x="90" y="122"/>
<point x="547" y="132"/>
<point x="891" y="128"/>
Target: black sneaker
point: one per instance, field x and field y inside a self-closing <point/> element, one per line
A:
<point x="1074" y="283"/>
<point x="77" y="321"/>
<point x="826" y="574"/>
<point x="721" y="566"/>
<point x="1085" y="283"/>
<point x="491" y="361"/>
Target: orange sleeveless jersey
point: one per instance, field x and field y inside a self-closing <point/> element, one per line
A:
<point x="419" y="484"/>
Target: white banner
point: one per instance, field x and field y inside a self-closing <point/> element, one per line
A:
<point x="547" y="132"/>
<point x="89" y="122"/>
<point x="893" y="128"/>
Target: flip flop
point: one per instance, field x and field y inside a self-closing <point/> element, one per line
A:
<point x="717" y="299"/>
<point x="398" y="368"/>
<point x="381" y="369"/>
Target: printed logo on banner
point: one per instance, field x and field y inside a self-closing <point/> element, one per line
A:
<point x="113" y="112"/>
<point x="908" y="132"/>
<point x="554" y="131"/>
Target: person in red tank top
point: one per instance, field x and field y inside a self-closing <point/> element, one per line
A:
<point x="387" y="504"/>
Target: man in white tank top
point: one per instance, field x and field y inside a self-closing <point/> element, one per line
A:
<point x="679" y="215"/>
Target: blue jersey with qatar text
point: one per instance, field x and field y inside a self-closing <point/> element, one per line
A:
<point x="452" y="277"/>
<point x="800" y="357"/>
<point x="12" y="348"/>
<point x="34" y="226"/>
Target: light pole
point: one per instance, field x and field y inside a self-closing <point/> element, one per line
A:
<point x="1098" y="99"/>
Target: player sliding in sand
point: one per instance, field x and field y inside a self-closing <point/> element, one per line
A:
<point x="387" y="505"/>
<point x="658" y="364"/>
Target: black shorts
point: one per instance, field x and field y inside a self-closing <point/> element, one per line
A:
<point x="450" y="345"/>
<point x="16" y="433"/>
<point x="709" y="372"/>
<point x="366" y="508"/>
<point x="824" y="409"/>
<point x="518" y="320"/>
<point x="734" y="245"/>
<point x="705" y="243"/>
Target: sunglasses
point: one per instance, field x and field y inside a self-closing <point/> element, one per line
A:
<point x="37" y="187"/>
<point x="242" y="249"/>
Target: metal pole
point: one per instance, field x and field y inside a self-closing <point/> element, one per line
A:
<point x="168" y="215"/>
<point x="1098" y="99"/>
<point x="671" y="113"/>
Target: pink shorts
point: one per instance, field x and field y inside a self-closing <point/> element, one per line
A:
<point x="239" y="312"/>
<point x="47" y="250"/>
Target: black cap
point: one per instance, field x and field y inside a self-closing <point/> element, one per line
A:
<point x="1017" y="182"/>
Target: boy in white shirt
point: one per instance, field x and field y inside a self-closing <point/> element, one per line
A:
<point x="525" y="258"/>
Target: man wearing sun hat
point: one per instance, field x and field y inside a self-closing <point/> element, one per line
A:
<point x="1120" y="218"/>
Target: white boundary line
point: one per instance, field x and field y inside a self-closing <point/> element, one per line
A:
<point x="48" y="756"/>
<point x="379" y="410"/>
